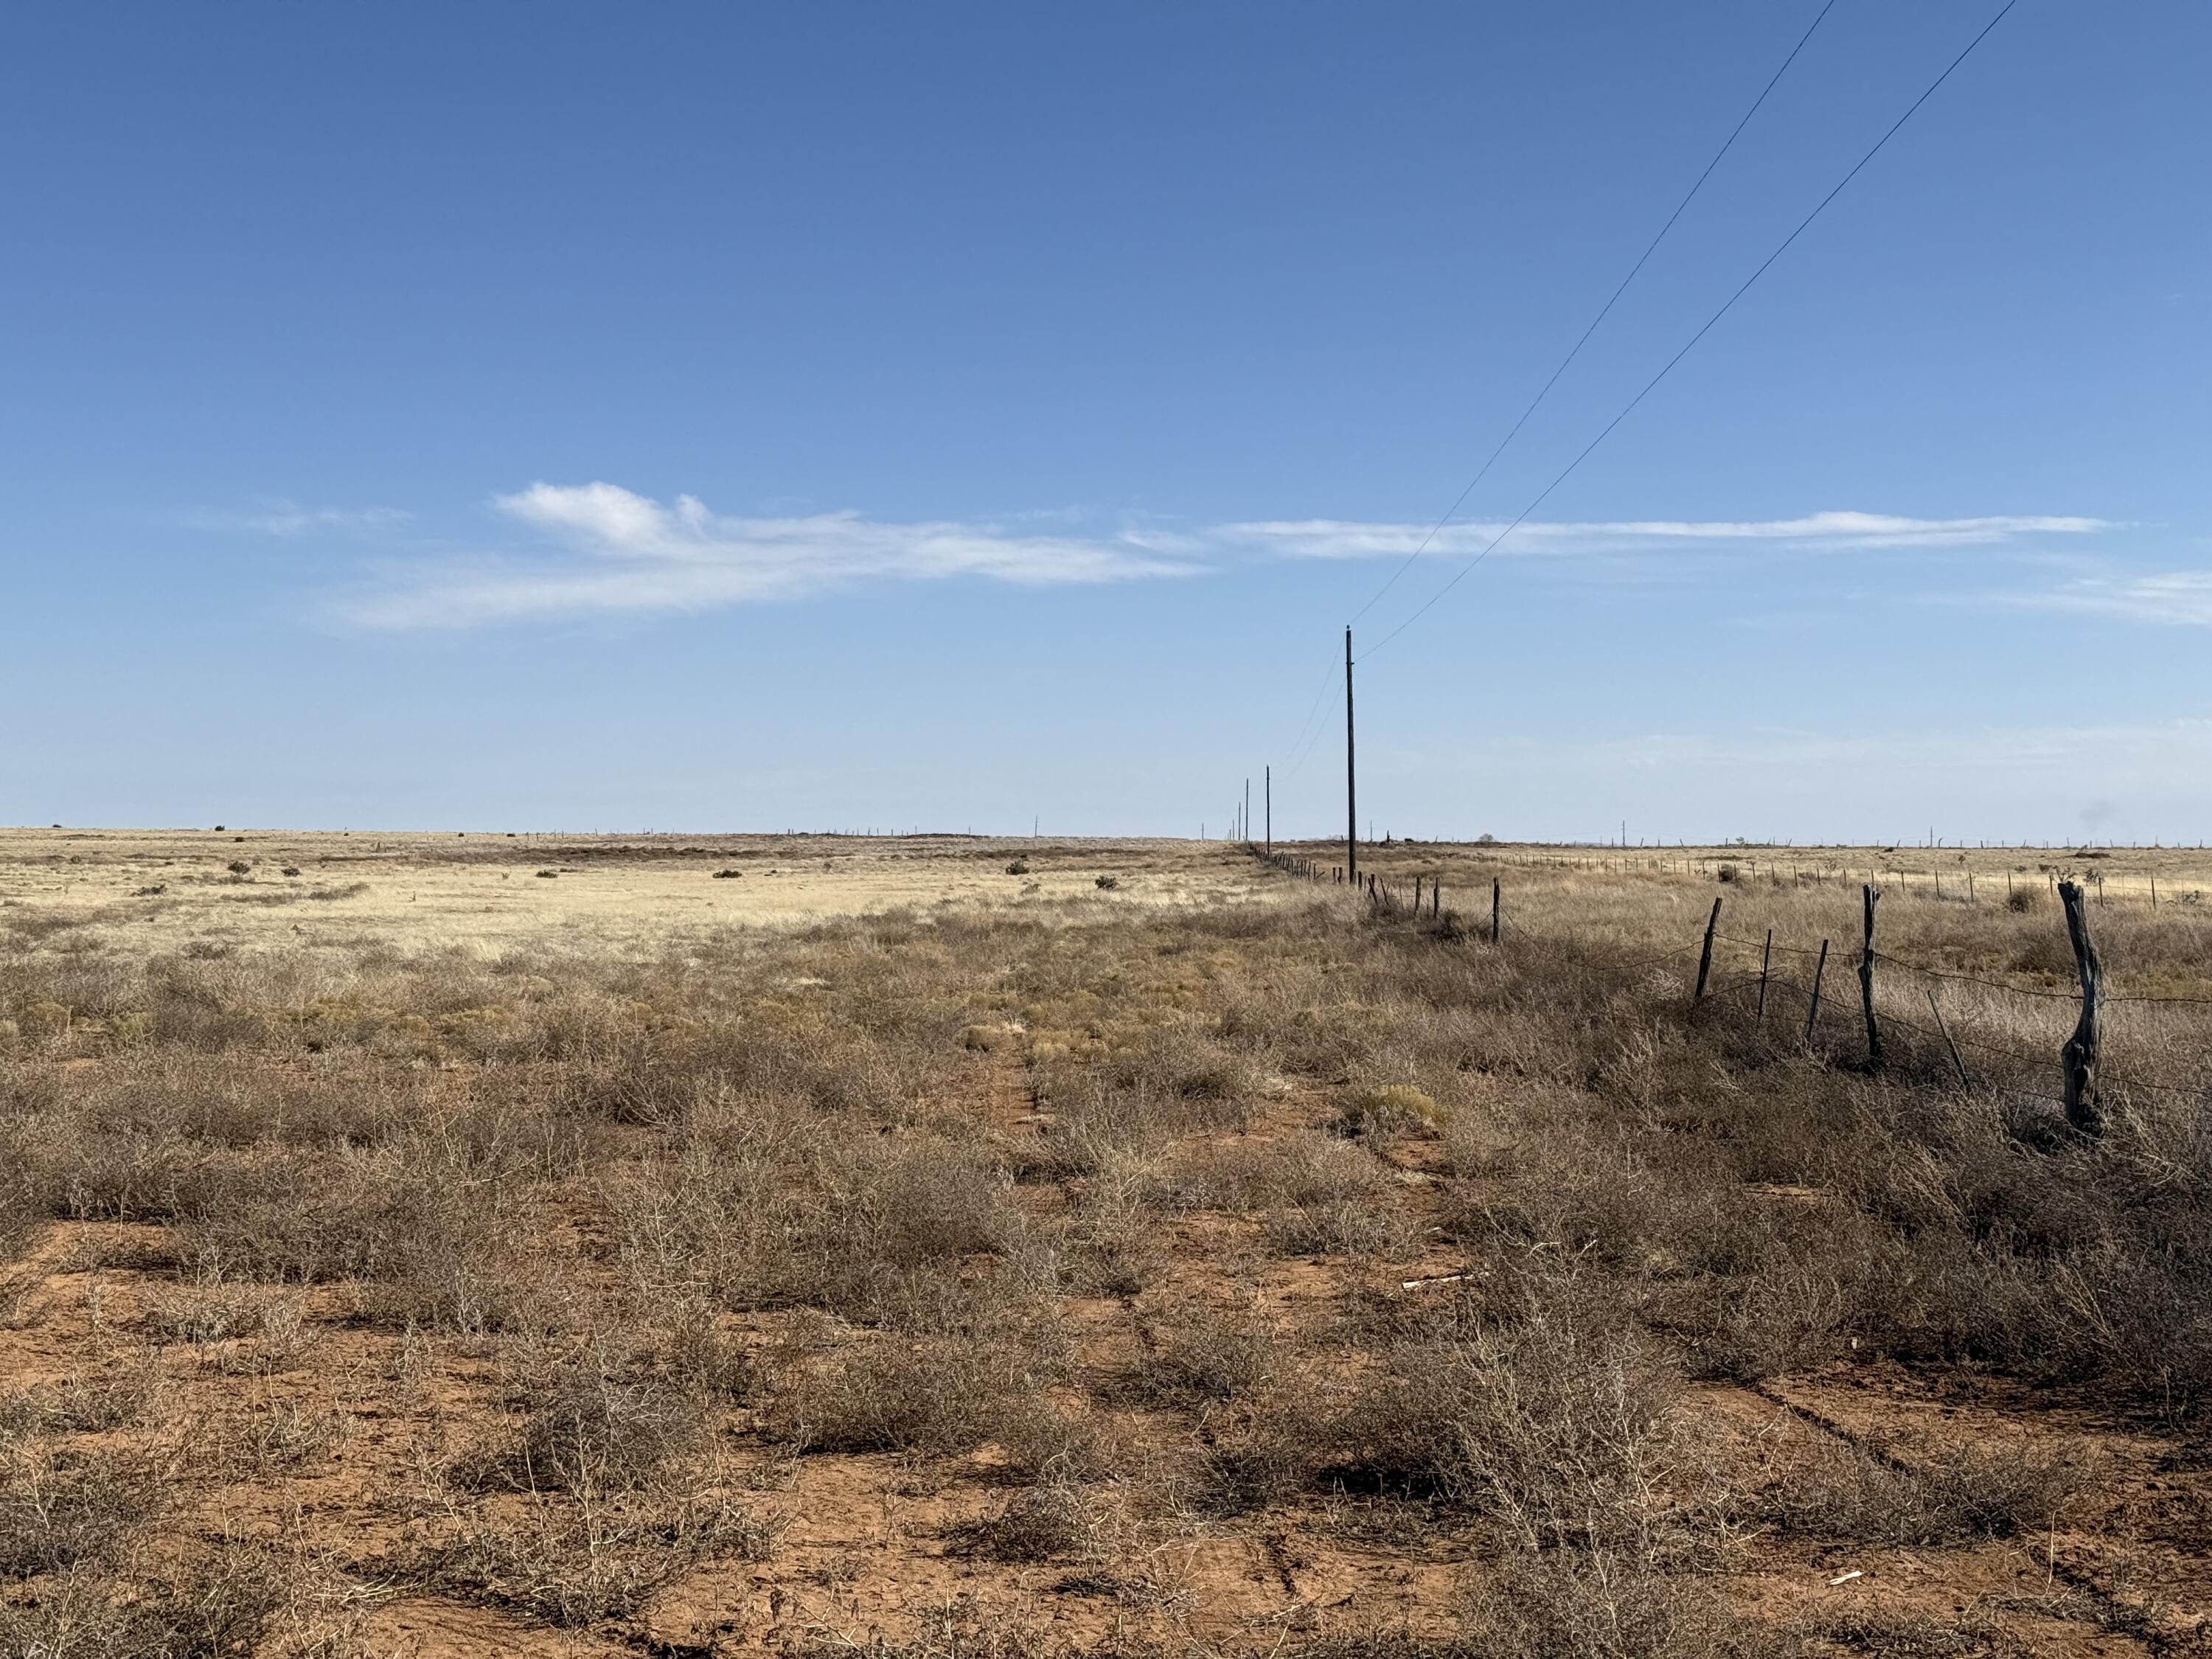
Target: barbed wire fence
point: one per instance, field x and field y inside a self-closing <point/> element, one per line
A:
<point x="1981" y="1032"/>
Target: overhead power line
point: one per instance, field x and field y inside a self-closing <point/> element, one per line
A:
<point x="1604" y="311"/>
<point x="1726" y="305"/>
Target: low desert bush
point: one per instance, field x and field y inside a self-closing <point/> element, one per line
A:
<point x="591" y="1431"/>
<point x="59" y="1508"/>
<point x="1047" y="1522"/>
<point x="941" y="1395"/>
<point x="575" y="1564"/>
<point x="1835" y="1489"/>
<point x="1389" y="1109"/>
<point x="1557" y="1424"/>
<point x="1204" y="1360"/>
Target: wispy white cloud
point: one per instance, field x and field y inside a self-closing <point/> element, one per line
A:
<point x="1336" y="538"/>
<point x="282" y="518"/>
<point x="600" y="548"/>
<point x="2176" y="597"/>
<point x="623" y="552"/>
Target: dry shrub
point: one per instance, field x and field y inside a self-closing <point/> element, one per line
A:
<point x="1328" y="1197"/>
<point x="1053" y="1519"/>
<point x="442" y="1234"/>
<point x="940" y="1395"/>
<point x="591" y="1431"/>
<point x="772" y="1212"/>
<point x="275" y="1436"/>
<point x="1095" y="1124"/>
<point x="698" y="1357"/>
<point x="1557" y="1423"/>
<point x="1211" y="1086"/>
<point x="1205" y="1359"/>
<point x="236" y="1325"/>
<point x="1386" y="1109"/>
<point x="1839" y="1490"/>
<point x="575" y="1564"/>
<point x="58" y="1508"/>
<point x="1601" y="1603"/>
<point x="1903" y="1633"/>
<point x="1267" y="1450"/>
<point x="1113" y="1247"/>
<point x="80" y="1404"/>
<point x="231" y="1598"/>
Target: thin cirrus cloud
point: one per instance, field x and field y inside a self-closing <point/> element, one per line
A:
<point x="603" y="550"/>
<point x="2181" y="599"/>
<point x="621" y="552"/>
<point x="289" y="518"/>
<point x="1335" y="538"/>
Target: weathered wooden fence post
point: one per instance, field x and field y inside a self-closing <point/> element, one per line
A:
<point x="1866" y="978"/>
<point x="2079" y="1056"/>
<point x="1820" y="968"/>
<point x="1765" y="957"/>
<point x="1944" y="1031"/>
<point x="1493" y="910"/>
<point x="1705" y="956"/>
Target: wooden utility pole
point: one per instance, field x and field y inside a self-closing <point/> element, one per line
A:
<point x="1866" y="978"/>
<point x="1267" y="804"/>
<point x="1246" y="836"/>
<point x="2079" y="1056"/>
<point x="1351" y="773"/>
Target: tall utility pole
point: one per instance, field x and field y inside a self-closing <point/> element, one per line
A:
<point x="1268" y="805"/>
<point x="1248" y="812"/>
<point x="1351" y="774"/>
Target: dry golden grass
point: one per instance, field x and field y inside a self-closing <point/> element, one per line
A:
<point x="1205" y="1264"/>
<point x="158" y="890"/>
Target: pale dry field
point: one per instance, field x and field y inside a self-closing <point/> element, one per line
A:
<point x="152" y="889"/>
<point x="880" y="1252"/>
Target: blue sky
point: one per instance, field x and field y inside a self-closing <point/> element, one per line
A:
<point x="705" y="416"/>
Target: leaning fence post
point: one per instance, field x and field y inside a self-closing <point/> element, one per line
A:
<point x="1765" y="957"/>
<point x="1813" y="1012"/>
<point x="2079" y="1056"/>
<point x="1705" y="956"/>
<point x="1866" y="979"/>
<point x="1944" y="1031"/>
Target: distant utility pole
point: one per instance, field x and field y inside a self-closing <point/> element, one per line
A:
<point x="1248" y="812"/>
<point x="1268" y="805"/>
<point x="1351" y="774"/>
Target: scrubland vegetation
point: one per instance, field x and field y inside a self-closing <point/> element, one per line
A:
<point x="1065" y="1272"/>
